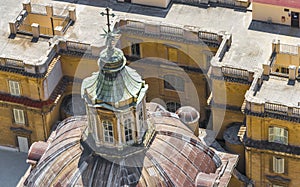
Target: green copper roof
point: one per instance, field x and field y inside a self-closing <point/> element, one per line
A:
<point x="115" y="83"/>
<point x="111" y="59"/>
<point x="113" y="88"/>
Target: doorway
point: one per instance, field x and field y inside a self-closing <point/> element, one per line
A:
<point x="23" y="144"/>
<point x="295" y="19"/>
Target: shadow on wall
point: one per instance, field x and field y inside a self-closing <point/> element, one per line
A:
<point x="124" y="7"/>
<point x="274" y="28"/>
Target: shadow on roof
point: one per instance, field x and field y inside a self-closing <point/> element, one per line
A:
<point x="274" y="28"/>
<point x="124" y="7"/>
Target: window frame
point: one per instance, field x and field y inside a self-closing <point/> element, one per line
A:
<point x="135" y="49"/>
<point x="278" y="165"/>
<point x="14" y="87"/>
<point x="108" y="131"/>
<point x="278" y="135"/>
<point x="128" y="132"/>
<point x="19" y="116"/>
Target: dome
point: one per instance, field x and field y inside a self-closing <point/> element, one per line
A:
<point x="111" y="60"/>
<point x="188" y="114"/>
<point x="172" y="156"/>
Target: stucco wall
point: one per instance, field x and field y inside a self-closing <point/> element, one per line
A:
<point x="267" y="13"/>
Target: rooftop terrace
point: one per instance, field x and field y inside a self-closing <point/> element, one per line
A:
<point x="251" y="41"/>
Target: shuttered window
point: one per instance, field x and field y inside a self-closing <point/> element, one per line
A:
<point x="19" y="116"/>
<point x="278" y="165"/>
<point x="14" y="88"/>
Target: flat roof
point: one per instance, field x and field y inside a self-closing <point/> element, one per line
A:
<point x="278" y="90"/>
<point x="283" y="3"/>
<point x="251" y="41"/>
<point x="21" y="46"/>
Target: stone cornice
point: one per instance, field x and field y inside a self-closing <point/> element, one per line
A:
<point x="273" y="115"/>
<point x="266" y="145"/>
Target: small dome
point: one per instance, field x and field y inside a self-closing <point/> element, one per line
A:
<point x="188" y="114"/>
<point x="111" y="59"/>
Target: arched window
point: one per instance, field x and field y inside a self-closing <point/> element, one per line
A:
<point x="173" y="82"/>
<point x="128" y="130"/>
<point x="108" y="131"/>
<point x="173" y="106"/>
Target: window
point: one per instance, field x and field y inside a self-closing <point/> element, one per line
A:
<point x="135" y="50"/>
<point x="278" y="135"/>
<point x="108" y="131"/>
<point x="14" y="88"/>
<point x="173" y="83"/>
<point x="173" y="106"/>
<point x="278" y="165"/>
<point x="128" y="130"/>
<point x="19" y="116"/>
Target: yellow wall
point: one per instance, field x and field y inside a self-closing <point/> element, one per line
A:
<point x="181" y="54"/>
<point x="28" y="85"/>
<point x="259" y="166"/>
<point x="34" y="123"/>
<point x="265" y="12"/>
<point x="78" y="67"/>
<point x="257" y="128"/>
<point x="284" y="60"/>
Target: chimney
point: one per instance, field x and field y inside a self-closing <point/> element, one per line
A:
<point x="292" y="72"/>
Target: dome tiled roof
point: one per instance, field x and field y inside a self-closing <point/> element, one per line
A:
<point x="172" y="156"/>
